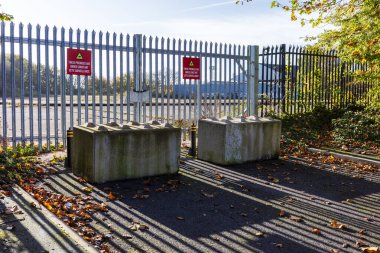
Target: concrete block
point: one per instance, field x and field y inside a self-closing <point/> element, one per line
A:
<point x="238" y="140"/>
<point x="104" y="153"/>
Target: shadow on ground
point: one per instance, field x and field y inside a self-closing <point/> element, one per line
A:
<point x="208" y="208"/>
<point x="28" y="230"/>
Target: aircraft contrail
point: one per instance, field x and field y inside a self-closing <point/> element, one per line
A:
<point x="208" y="6"/>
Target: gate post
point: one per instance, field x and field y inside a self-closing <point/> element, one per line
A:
<point x="137" y="84"/>
<point x="253" y="80"/>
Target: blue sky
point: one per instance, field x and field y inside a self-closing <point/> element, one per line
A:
<point x="207" y="20"/>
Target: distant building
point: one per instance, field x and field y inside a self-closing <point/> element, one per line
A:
<point x="269" y="86"/>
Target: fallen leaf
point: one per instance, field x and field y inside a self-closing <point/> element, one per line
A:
<point x="295" y="218"/>
<point x="180" y="218"/>
<point x="361" y="231"/>
<point x="345" y="245"/>
<point x="127" y="236"/>
<point x="334" y="250"/>
<point x="360" y="244"/>
<point x="219" y="176"/>
<point x="6" y="193"/>
<point x="82" y="180"/>
<point x="334" y="224"/>
<point x="281" y="213"/>
<point x="87" y="189"/>
<point x="111" y="196"/>
<point x="11" y="210"/>
<point x="243" y="214"/>
<point x="138" y="226"/>
<point x="259" y="234"/>
<point x="32" y="180"/>
<point x="370" y="249"/>
<point x="316" y="231"/>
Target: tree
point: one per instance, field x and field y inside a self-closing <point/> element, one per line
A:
<point x="352" y="28"/>
<point x="5" y="16"/>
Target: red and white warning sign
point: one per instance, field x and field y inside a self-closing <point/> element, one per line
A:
<point x="78" y="62"/>
<point x="191" y="68"/>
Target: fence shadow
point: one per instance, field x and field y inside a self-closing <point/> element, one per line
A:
<point x="236" y="209"/>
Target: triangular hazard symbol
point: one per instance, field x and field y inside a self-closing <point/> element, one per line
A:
<point x="79" y="56"/>
<point x="191" y="64"/>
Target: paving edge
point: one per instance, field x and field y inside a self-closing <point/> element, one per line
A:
<point x="346" y="157"/>
<point x="66" y="230"/>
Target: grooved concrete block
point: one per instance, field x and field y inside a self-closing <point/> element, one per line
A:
<point x="238" y="140"/>
<point x="111" y="152"/>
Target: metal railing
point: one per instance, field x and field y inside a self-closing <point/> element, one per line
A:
<point x="296" y="79"/>
<point x="40" y="101"/>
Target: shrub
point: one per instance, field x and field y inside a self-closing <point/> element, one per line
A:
<point x="362" y="126"/>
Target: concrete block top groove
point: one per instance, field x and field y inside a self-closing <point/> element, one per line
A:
<point x="113" y="126"/>
<point x="229" y="120"/>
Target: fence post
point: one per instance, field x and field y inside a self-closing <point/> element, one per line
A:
<point x="137" y="85"/>
<point x="342" y="84"/>
<point x="283" y="75"/>
<point x="253" y="80"/>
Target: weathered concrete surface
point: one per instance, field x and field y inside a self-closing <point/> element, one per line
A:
<point x="112" y="152"/>
<point x="235" y="140"/>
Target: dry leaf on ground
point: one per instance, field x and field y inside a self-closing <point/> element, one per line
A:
<point x="111" y="196"/>
<point x="281" y="213"/>
<point x="87" y="189"/>
<point x="334" y="224"/>
<point x="259" y="234"/>
<point x="370" y="249"/>
<point x="295" y="218"/>
<point x="316" y="231"/>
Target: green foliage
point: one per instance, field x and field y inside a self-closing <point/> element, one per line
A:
<point x="360" y="126"/>
<point x="352" y="28"/>
<point x="310" y="125"/>
<point x="15" y="164"/>
<point x="5" y="16"/>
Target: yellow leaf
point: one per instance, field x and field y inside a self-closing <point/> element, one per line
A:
<point x="87" y="189"/>
<point x="259" y="234"/>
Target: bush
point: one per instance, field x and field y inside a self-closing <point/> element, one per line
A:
<point x="362" y="126"/>
<point x="310" y="125"/>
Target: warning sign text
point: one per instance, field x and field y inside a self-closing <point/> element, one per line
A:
<point x="78" y="62"/>
<point x="191" y="68"/>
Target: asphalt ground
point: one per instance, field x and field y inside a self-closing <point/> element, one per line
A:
<point x="270" y="206"/>
<point x="26" y="226"/>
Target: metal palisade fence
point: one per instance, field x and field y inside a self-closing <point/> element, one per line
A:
<point x="132" y="78"/>
<point x="296" y="79"/>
